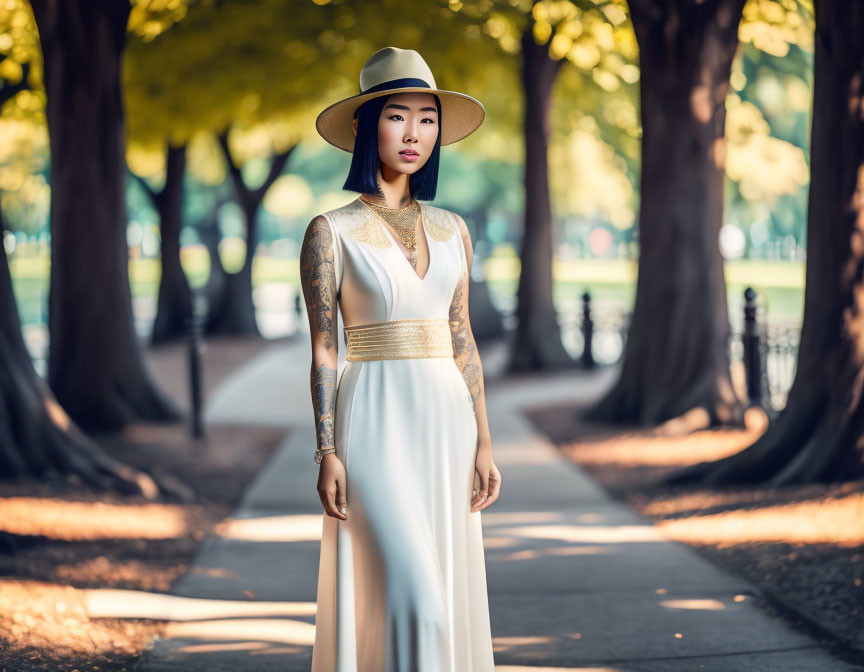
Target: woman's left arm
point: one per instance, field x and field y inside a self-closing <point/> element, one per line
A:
<point x="468" y="360"/>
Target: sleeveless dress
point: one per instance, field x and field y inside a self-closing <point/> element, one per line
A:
<point x="402" y="581"/>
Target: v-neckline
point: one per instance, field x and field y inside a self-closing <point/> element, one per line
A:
<point x="396" y="245"/>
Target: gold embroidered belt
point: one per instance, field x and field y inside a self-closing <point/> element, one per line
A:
<point x="399" y="339"/>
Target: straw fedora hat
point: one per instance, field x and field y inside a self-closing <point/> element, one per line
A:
<point x="392" y="70"/>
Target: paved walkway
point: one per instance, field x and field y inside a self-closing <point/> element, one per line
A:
<point x="576" y="581"/>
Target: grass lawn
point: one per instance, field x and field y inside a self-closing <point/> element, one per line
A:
<point x="612" y="282"/>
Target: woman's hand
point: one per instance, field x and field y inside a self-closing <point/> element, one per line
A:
<point x="486" y="477"/>
<point x="331" y="486"/>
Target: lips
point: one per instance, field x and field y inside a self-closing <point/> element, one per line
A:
<point x="409" y="152"/>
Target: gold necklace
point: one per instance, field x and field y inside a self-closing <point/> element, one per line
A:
<point x="403" y="221"/>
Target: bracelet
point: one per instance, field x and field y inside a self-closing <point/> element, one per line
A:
<point x="321" y="452"/>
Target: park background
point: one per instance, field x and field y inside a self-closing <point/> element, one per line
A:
<point x="168" y="147"/>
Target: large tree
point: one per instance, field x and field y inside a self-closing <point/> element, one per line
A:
<point x="37" y="438"/>
<point x="820" y="433"/>
<point x="537" y="343"/>
<point x="96" y="368"/>
<point x="676" y="356"/>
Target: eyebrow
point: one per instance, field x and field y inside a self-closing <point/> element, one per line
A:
<point x="405" y="107"/>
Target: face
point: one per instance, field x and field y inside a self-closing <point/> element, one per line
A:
<point x="407" y="130"/>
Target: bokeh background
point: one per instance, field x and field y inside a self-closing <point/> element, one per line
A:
<point x="665" y="203"/>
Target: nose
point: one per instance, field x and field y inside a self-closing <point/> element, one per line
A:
<point x="411" y="132"/>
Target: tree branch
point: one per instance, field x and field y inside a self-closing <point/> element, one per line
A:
<point x="277" y="164"/>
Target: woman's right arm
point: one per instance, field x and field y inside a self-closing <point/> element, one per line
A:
<point x="318" y="280"/>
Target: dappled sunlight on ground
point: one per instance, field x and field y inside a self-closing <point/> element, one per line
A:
<point x="140" y="604"/>
<point x="534" y="553"/>
<point x="637" y="448"/>
<point x="299" y="527"/>
<point x="56" y="617"/>
<point x="76" y="521"/>
<point x="507" y="643"/>
<point x="836" y="521"/>
<point x="614" y="534"/>
<point x="251" y="630"/>
<point x="696" y="605"/>
<point x="801" y="544"/>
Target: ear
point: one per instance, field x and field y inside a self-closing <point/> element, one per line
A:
<point x="354" y="125"/>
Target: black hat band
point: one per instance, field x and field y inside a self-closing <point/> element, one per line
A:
<point x="397" y="84"/>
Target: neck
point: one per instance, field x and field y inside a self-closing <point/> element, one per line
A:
<point x="394" y="187"/>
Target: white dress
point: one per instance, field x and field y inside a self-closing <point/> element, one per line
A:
<point x="402" y="581"/>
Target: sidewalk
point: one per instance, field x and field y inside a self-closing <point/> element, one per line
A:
<point x="576" y="581"/>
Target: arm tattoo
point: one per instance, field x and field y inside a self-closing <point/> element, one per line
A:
<point x="324" y="401"/>
<point x="464" y="349"/>
<point x="318" y="279"/>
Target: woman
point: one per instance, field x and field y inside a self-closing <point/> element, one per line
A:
<point x="403" y="437"/>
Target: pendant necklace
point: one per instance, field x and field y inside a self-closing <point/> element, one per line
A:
<point x="404" y="222"/>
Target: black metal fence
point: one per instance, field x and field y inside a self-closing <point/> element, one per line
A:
<point x="767" y="352"/>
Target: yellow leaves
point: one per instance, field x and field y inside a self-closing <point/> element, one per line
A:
<point x="204" y="160"/>
<point x="502" y="29"/>
<point x="290" y="196"/>
<point x="605" y="79"/>
<point x="559" y="47"/>
<point x="586" y="38"/>
<point x="542" y="31"/>
<point x="764" y="167"/>
<point x="744" y="120"/>
<point x="150" y="18"/>
<point x="23" y="151"/>
<point x="798" y="95"/>
<point x="615" y="13"/>
<point x="773" y="25"/>
<point x="19" y="42"/>
<point x="589" y="180"/>
<point x="495" y="26"/>
<point x="601" y="34"/>
<point x="10" y="71"/>
<point x="146" y="161"/>
<point x="26" y="198"/>
<point x="584" y="55"/>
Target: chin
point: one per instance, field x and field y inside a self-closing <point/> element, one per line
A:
<point x="407" y="169"/>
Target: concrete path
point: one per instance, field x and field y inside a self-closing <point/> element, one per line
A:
<point x="576" y="581"/>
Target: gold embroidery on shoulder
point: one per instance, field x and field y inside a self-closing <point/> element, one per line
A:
<point x="370" y="233"/>
<point x="437" y="227"/>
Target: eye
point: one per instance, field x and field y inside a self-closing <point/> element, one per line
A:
<point x="400" y="118"/>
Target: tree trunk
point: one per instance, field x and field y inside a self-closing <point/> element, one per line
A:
<point x="96" y="368"/>
<point x="676" y="359"/>
<point x="37" y="438"/>
<point x="820" y="434"/>
<point x="175" y="298"/>
<point x="537" y="342"/>
<point x="232" y="310"/>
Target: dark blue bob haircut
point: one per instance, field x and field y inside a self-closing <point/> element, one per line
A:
<point x="363" y="174"/>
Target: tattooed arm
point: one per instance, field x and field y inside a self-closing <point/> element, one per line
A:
<point x="464" y="348"/>
<point x="488" y="478"/>
<point x="318" y="280"/>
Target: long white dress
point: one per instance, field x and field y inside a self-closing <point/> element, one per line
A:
<point x="402" y="581"/>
